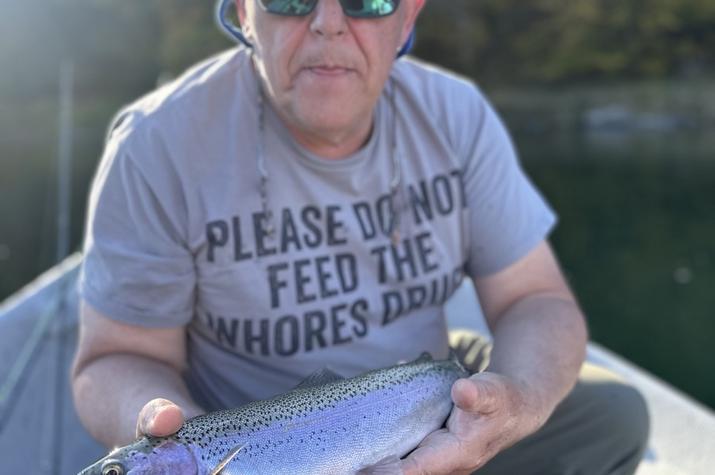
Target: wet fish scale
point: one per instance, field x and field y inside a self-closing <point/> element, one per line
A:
<point x="337" y="428"/>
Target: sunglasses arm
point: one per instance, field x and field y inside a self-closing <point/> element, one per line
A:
<point x="227" y="26"/>
<point x="234" y="32"/>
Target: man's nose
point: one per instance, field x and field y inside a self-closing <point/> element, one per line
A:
<point x="328" y="19"/>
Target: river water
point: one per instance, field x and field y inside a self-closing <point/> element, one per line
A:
<point x="637" y="240"/>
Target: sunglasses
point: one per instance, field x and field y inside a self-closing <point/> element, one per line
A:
<point x="351" y="8"/>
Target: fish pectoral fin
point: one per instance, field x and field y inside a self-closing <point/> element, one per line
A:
<point x="320" y="377"/>
<point x="388" y="466"/>
<point x="226" y="460"/>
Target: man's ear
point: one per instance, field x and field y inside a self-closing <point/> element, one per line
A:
<point x="413" y="9"/>
<point x="241" y="9"/>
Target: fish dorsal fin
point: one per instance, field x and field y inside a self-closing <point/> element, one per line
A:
<point x="320" y="377"/>
<point x="226" y="460"/>
<point x="454" y="358"/>
<point x="425" y="357"/>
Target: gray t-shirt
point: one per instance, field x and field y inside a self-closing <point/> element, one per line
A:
<point x="174" y="233"/>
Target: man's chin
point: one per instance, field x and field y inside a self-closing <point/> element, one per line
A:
<point x="328" y="118"/>
<point x="328" y="133"/>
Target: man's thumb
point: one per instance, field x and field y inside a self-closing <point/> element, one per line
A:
<point x="159" y="418"/>
<point x="475" y="395"/>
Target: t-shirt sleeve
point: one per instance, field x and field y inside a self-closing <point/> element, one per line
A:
<point x="137" y="268"/>
<point x="508" y="217"/>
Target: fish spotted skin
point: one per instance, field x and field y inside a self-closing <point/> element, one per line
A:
<point x="339" y="427"/>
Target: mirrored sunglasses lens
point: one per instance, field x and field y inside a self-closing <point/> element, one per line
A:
<point x="289" y="7"/>
<point x="369" y="8"/>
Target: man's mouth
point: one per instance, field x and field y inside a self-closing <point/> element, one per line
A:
<point x="325" y="70"/>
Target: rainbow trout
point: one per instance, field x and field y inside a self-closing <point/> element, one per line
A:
<point x="328" y="425"/>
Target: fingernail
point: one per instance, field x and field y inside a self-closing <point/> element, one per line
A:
<point x="147" y="422"/>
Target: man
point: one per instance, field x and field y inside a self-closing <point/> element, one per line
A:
<point x="312" y="201"/>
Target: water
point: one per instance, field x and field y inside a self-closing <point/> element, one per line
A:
<point x="636" y="236"/>
<point x="637" y="241"/>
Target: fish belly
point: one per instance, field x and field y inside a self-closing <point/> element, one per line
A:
<point x="347" y="437"/>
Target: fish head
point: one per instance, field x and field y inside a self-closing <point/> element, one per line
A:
<point x="147" y="456"/>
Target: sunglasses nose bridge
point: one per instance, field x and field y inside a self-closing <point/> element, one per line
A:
<point x="328" y="18"/>
<point x="329" y="8"/>
<point x="342" y="5"/>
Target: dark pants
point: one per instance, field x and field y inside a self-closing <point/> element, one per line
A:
<point x="600" y="428"/>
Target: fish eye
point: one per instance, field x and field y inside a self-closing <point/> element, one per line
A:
<point x="113" y="469"/>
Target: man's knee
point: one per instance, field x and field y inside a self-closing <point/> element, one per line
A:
<point x="620" y="410"/>
<point x="633" y="411"/>
<point x="601" y="427"/>
<point x="616" y="419"/>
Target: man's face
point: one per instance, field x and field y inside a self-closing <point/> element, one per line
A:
<point x="324" y="71"/>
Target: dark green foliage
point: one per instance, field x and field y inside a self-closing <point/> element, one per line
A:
<point x="554" y="41"/>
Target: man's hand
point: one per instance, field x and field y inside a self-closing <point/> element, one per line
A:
<point x="159" y="418"/>
<point x="539" y="343"/>
<point x="491" y="412"/>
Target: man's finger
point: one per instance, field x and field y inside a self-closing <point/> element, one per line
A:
<point x="440" y="465"/>
<point x="437" y="454"/>
<point x="475" y="395"/>
<point x="159" y="417"/>
<point x="411" y="467"/>
<point x="421" y="463"/>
